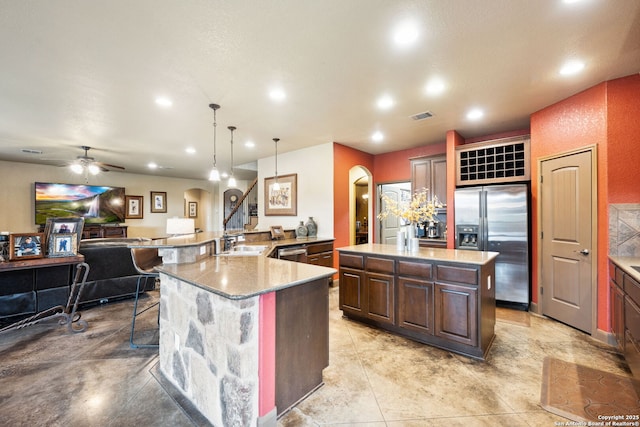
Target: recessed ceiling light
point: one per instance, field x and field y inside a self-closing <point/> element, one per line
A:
<point x="572" y="67"/>
<point x="385" y="102"/>
<point x="475" y="114"/>
<point x="435" y="87"/>
<point x="277" y="94"/>
<point x="405" y="34"/>
<point x="164" y="101"/>
<point x="377" y="136"/>
<point x="249" y="144"/>
<point x="152" y="166"/>
<point x="190" y="150"/>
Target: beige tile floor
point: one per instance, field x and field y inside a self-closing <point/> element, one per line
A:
<point x="51" y="378"/>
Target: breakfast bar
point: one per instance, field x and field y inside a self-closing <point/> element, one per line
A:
<point x="244" y="338"/>
<point x="441" y="297"/>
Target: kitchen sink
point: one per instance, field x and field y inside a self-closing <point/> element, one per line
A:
<point x="245" y="250"/>
<point x="636" y="268"/>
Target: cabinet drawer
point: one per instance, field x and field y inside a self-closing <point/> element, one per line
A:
<point x="619" y="275"/>
<point x="417" y="269"/>
<point x="353" y="261"/>
<point x="380" y="265"/>
<point x="457" y="274"/>
<point x="316" y="248"/>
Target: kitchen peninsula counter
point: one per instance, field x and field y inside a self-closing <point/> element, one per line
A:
<point x="441" y="297"/>
<point x="244" y="338"/>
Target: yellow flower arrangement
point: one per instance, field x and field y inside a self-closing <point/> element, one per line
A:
<point x="419" y="209"/>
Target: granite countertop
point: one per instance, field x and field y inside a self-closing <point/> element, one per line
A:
<point x="626" y="263"/>
<point x="436" y="254"/>
<point x="241" y="277"/>
<point x="179" y="241"/>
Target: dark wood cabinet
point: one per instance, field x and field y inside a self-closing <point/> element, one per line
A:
<point x="446" y="304"/>
<point x="430" y="173"/>
<point x="93" y="231"/>
<point x="320" y="254"/>
<point x="624" y="294"/>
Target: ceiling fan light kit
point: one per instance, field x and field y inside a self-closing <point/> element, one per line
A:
<point x="88" y="165"/>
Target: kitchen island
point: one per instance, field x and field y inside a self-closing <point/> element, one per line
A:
<point x="244" y="338"/>
<point x="441" y="297"/>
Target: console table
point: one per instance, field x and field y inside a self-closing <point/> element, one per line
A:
<point x="33" y="285"/>
<point x="92" y="231"/>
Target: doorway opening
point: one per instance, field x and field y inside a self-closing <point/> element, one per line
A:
<point x="360" y="208"/>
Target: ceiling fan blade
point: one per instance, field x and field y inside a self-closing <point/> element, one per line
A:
<point x="107" y="165"/>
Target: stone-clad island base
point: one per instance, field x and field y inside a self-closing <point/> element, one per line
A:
<point x="442" y="297"/>
<point x="243" y="337"/>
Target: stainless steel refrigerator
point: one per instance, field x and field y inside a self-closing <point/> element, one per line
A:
<point x="496" y="218"/>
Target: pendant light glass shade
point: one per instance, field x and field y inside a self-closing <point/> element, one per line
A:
<point x="232" y="181"/>
<point x="214" y="175"/>
<point x="276" y="185"/>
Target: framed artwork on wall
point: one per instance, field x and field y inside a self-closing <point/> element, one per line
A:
<point x="282" y="200"/>
<point x="26" y="246"/>
<point x="133" y="209"/>
<point x="158" y="202"/>
<point x="193" y="209"/>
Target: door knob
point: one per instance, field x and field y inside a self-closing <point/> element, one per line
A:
<point x="585" y="252"/>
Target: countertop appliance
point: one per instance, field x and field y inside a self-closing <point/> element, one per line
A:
<point x="496" y="218"/>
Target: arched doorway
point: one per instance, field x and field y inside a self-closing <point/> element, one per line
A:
<point x="360" y="206"/>
<point x="197" y="206"/>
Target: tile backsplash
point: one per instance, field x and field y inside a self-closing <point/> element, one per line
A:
<point x="624" y="229"/>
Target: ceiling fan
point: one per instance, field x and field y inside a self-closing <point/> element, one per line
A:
<point x="85" y="163"/>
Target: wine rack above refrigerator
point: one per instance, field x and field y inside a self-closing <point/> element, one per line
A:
<point x="493" y="162"/>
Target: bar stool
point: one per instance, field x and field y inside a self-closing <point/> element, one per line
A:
<point x="145" y="260"/>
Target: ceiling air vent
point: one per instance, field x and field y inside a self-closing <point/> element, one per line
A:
<point x="422" y="116"/>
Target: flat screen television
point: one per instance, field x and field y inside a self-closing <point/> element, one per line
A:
<point x="97" y="204"/>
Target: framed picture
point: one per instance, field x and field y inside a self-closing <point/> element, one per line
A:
<point x="193" y="209"/>
<point x="158" y="202"/>
<point x="277" y="232"/>
<point x="70" y="225"/>
<point x="26" y="246"/>
<point x="133" y="207"/>
<point x="282" y="201"/>
<point x="63" y="244"/>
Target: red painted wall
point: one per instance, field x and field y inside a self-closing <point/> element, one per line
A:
<point x="575" y="122"/>
<point x="344" y="158"/>
<point x="623" y="137"/>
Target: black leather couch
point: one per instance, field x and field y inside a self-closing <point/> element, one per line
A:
<point x="112" y="274"/>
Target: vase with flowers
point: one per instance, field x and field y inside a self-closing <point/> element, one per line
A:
<point x="413" y="212"/>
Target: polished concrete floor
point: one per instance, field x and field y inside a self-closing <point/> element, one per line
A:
<point x="51" y="377"/>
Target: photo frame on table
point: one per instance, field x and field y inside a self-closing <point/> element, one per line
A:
<point x="62" y="244"/>
<point x="26" y="246"/>
<point x="193" y="209"/>
<point x="277" y="232"/>
<point x="133" y="207"/>
<point x="158" y="202"/>
<point x="62" y="225"/>
<point x="283" y="201"/>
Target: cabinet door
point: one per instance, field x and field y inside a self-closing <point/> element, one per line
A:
<point x="617" y="313"/>
<point x="420" y="174"/>
<point x="456" y="313"/>
<point x="439" y="179"/>
<point x="351" y="291"/>
<point x="324" y="259"/>
<point x="379" y="296"/>
<point x="415" y="305"/>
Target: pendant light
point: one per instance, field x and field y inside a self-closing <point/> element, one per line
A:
<point x="232" y="180"/>
<point x="276" y="185"/>
<point x="214" y="175"/>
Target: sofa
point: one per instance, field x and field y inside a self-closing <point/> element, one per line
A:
<point x="112" y="274"/>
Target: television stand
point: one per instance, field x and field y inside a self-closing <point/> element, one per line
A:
<point x="97" y="231"/>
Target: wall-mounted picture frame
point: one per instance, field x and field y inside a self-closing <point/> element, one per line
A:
<point x="62" y="245"/>
<point x="62" y="225"/>
<point x="26" y="246"/>
<point x="133" y="207"/>
<point x="158" y="202"/>
<point x="282" y="201"/>
<point x="193" y="209"/>
<point x="277" y="232"/>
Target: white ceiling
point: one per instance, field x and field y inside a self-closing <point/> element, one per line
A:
<point x="77" y="72"/>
